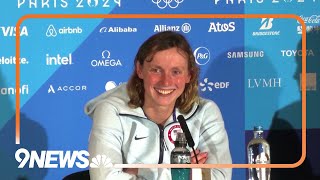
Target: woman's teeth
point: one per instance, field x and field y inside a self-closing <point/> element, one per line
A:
<point x="161" y="91"/>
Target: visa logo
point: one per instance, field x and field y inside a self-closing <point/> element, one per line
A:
<point x="11" y="31"/>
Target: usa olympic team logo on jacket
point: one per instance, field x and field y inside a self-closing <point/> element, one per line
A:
<point x="173" y="131"/>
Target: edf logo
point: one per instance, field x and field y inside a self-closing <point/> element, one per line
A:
<point x="202" y="55"/>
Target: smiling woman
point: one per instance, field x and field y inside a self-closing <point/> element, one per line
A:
<point x="136" y="122"/>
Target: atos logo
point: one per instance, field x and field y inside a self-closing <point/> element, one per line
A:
<point x="106" y="60"/>
<point x="53" y="32"/>
<point x="222" y="27"/>
<point x="202" y="55"/>
<point x="11" y="31"/>
<point x="167" y="3"/>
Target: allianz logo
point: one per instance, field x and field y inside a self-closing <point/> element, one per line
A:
<point x="53" y="31"/>
<point x="12" y="60"/>
<point x="265" y="28"/>
<point x="23" y="90"/>
<point x="118" y="29"/>
<point x="185" y="28"/>
<point x="59" y="60"/>
<point x="221" y="27"/>
<point x="8" y="31"/>
<point x="66" y="88"/>
<point x="106" y="60"/>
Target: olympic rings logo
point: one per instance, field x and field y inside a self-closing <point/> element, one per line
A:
<point x="167" y="3"/>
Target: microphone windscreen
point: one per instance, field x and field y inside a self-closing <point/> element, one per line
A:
<point x="186" y="131"/>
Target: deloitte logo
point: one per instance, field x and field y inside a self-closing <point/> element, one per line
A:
<point x="202" y="55"/>
<point x="167" y="3"/>
<point x="53" y="32"/>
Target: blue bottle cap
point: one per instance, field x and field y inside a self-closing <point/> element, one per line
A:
<point x="258" y="128"/>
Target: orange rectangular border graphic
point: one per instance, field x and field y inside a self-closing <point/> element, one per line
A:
<point x="176" y="16"/>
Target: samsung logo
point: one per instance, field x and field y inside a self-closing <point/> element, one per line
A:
<point x="245" y="54"/>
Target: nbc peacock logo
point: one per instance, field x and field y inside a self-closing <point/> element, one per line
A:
<point x="101" y="161"/>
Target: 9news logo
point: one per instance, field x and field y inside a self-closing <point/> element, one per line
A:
<point x="60" y="159"/>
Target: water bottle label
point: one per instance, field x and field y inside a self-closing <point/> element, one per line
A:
<point x="181" y="159"/>
<point x="262" y="158"/>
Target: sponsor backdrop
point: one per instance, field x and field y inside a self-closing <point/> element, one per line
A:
<point x="250" y="67"/>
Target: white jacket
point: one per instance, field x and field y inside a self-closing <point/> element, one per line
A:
<point x="127" y="136"/>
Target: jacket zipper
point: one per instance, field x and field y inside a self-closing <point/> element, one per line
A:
<point x="161" y="144"/>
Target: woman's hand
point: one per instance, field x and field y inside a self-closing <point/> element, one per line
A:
<point x="133" y="171"/>
<point x="202" y="157"/>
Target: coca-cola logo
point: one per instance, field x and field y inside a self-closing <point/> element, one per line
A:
<point x="313" y="19"/>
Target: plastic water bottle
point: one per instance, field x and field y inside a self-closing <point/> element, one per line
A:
<point x="180" y="155"/>
<point x="258" y="153"/>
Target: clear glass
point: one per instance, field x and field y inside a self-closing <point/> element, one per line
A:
<point x="180" y="155"/>
<point x="258" y="151"/>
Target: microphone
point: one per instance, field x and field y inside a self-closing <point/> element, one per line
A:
<point x="187" y="133"/>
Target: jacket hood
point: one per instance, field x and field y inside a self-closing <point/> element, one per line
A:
<point x="116" y="95"/>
